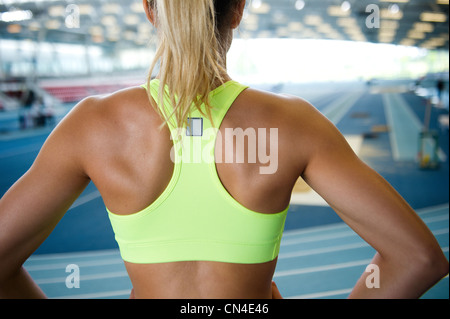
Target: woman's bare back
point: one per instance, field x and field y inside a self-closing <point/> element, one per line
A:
<point x="130" y="164"/>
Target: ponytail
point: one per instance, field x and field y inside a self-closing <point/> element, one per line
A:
<point x="189" y="53"/>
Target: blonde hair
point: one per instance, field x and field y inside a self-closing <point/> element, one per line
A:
<point x="190" y="56"/>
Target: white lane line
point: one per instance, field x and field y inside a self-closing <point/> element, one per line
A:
<point x="325" y="250"/>
<point x="341" y="106"/>
<point x="83" y="278"/>
<point x="84" y="254"/>
<point x="330" y="293"/>
<point x="290" y="242"/>
<point x="433" y="209"/>
<point x="62" y="265"/>
<point x="405" y="128"/>
<point x="348" y="232"/>
<point x="323" y="294"/>
<point x="393" y="136"/>
<point x="309" y="270"/>
<point x="331" y="249"/>
<point x="85" y="199"/>
<point x="315" y="229"/>
<point x="436" y="219"/>
<point x="98" y="295"/>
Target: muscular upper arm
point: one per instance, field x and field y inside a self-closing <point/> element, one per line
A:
<point x="33" y="206"/>
<point x="362" y="198"/>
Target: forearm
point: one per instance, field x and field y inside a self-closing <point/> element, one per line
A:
<point x="20" y="286"/>
<point x="410" y="281"/>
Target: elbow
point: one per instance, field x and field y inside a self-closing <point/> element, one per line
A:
<point x="433" y="265"/>
<point x="441" y="265"/>
<point x="8" y="269"/>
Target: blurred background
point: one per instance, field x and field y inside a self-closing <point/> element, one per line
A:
<point x="378" y="69"/>
<point x="304" y="40"/>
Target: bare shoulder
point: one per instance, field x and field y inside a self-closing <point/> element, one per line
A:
<point x="100" y="125"/>
<point x="110" y="116"/>
<point x="303" y="129"/>
<point x="296" y="116"/>
<point x="282" y="104"/>
<point x="117" y="107"/>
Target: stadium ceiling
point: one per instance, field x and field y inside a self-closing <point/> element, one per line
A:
<point x="122" y="23"/>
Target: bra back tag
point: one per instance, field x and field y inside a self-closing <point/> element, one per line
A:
<point x="195" y="127"/>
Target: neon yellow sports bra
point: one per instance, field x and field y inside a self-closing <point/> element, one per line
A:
<point x="196" y="219"/>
